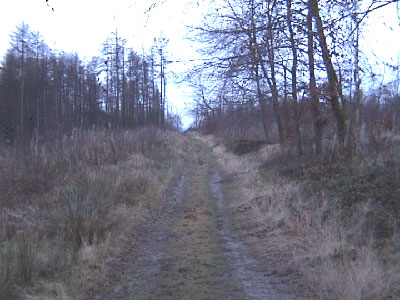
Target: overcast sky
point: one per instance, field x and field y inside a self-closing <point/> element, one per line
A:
<point x="83" y="25"/>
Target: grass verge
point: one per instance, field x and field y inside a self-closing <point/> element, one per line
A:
<point x="336" y="224"/>
<point x="69" y="208"/>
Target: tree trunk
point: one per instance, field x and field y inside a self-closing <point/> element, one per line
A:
<point x="272" y="79"/>
<point x="294" y="80"/>
<point x="318" y="128"/>
<point x="261" y="102"/>
<point x="256" y="62"/>
<point x="339" y="111"/>
<point x="22" y="104"/>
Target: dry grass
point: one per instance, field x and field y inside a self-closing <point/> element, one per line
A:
<point x="17" y="262"/>
<point x="70" y="206"/>
<point x="341" y="254"/>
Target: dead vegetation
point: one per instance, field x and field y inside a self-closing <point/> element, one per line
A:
<point x="336" y="222"/>
<point x="68" y="207"/>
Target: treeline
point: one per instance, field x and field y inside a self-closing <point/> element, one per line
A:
<point x="297" y="66"/>
<point x="46" y="93"/>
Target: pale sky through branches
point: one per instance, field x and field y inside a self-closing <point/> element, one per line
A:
<point x="83" y="25"/>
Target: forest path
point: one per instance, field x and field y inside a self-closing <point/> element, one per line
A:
<point x="190" y="250"/>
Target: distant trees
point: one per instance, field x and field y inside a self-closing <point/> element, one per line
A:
<point x="259" y="46"/>
<point x="45" y="93"/>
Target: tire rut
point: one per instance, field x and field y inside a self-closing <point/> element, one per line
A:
<point x="253" y="276"/>
<point x="190" y="250"/>
<point x="149" y="261"/>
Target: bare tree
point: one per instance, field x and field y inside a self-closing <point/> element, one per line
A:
<point x="294" y="47"/>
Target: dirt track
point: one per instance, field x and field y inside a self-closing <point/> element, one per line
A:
<point x="191" y="249"/>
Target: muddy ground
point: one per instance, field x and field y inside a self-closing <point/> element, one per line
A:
<point x="196" y="246"/>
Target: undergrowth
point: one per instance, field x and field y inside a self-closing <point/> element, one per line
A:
<point x="339" y="216"/>
<point x="67" y="205"/>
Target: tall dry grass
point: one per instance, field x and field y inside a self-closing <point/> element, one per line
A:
<point x="17" y="257"/>
<point x="68" y="205"/>
<point x="344" y="247"/>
